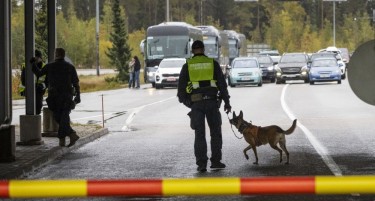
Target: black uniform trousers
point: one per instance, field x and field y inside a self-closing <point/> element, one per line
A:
<point x="39" y="100"/>
<point x="199" y="112"/>
<point x="60" y="105"/>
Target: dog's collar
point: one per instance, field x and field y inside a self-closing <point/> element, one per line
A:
<point x="243" y="126"/>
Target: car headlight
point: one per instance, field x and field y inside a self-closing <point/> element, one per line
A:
<point x="270" y="68"/>
<point x="304" y="73"/>
<point x="278" y="73"/>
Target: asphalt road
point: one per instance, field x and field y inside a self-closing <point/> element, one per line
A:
<point x="150" y="137"/>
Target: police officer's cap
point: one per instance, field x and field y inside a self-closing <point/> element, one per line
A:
<point x="38" y="53"/>
<point x="197" y="44"/>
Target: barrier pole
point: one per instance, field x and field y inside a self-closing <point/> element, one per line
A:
<point x="313" y="185"/>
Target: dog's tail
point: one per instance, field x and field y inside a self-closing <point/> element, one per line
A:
<point x="291" y="129"/>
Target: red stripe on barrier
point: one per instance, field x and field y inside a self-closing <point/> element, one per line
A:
<point x="4" y="189"/>
<point x="124" y="188"/>
<point x="278" y="185"/>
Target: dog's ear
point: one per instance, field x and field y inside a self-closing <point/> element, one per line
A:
<point x="241" y="114"/>
<point x="234" y="114"/>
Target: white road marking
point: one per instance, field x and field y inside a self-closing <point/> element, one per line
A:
<point x="136" y="110"/>
<point x="316" y="144"/>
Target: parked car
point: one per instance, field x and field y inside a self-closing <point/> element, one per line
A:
<point x="324" y="70"/>
<point x="168" y="72"/>
<point x="291" y="67"/>
<point x="245" y="71"/>
<point x="267" y="65"/>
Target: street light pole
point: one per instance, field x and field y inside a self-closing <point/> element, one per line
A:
<point x="167" y="11"/>
<point x="334" y="23"/>
<point x="334" y="19"/>
<point x="97" y="39"/>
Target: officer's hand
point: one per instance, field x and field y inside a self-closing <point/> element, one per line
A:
<point x="227" y="108"/>
<point x="77" y="99"/>
<point x="32" y="60"/>
<point x="188" y="103"/>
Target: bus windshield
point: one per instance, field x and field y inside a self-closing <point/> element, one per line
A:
<point x="211" y="47"/>
<point x="159" y="47"/>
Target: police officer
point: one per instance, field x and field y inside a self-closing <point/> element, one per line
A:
<point x="201" y="81"/>
<point x="63" y="84"/>
<point x="40" y="82"/>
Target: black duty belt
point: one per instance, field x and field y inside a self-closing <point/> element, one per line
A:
<point x="200" y="97"/>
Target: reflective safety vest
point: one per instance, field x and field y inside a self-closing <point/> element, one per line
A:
<point x="40" y="80"/>
<point x="201" y="73"/>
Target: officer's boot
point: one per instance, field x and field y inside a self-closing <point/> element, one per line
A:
<point x="73" y="139"/>
<point x="62" y="142"/>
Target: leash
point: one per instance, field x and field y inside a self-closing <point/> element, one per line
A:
<point x="231" y="126"/>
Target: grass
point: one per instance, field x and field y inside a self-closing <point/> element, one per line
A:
<point x="88" y="83"/>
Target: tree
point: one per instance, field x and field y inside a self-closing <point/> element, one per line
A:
<point x="41" y="33"/>
<point x="120" y="52"/>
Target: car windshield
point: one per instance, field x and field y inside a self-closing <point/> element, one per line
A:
<point x="324" y="63"/>
<point x="313" y="57"/>
<point x="293" y="58"/>
<point x="248" y="63"/>
<point x="264" y="60"/>
<point x="172" y="64"/>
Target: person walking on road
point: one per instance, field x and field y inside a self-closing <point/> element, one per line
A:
<point x="63" y="85"/>
<point x="201" y="87"/>
<point x="137" y="70"/>
<point x="40" y="82"/>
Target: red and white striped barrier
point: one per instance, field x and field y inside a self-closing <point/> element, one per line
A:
<point x="194" y="186"/>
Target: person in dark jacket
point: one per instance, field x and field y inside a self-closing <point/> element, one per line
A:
<point x="201" y="87"/>
<point x="40" y="82"/>
<point x="137" y="70"/>
<point x="63" y="84"/>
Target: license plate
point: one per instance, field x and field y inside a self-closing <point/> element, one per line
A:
<point x="171" y="79"/>
<point x="245" y="78"/>
<point x="291" y="76"/>
<point x="324" y="75"/>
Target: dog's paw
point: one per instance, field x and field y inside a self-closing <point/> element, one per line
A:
<point x="247" y="157"/>
<point x="287" y="163"/>
<point x="255" y="163"/>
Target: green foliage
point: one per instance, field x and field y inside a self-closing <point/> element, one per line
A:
<point x="41" y="32"/>
<point x="288" y="26"/>
<point x="120" y="52"/>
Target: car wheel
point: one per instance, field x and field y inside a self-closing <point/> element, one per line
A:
<point x="343" y="76"/>
<point x="278" y="81"/>
<point x="311" y="82"/>
<point x="306" y="81"/>
<point x="339" y="82"/>
<point x="158" y="86"/>
<point x="272" y="80"/>
<point x="232" y="85"/>
<point x="260" y="84"/>
<point x="229" y="82"/>
<point x="153" y="84"/>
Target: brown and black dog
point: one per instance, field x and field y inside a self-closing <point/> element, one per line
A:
<point x="256" y="136"/>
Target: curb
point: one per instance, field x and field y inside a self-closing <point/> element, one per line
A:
<point x="53" y="153"/>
